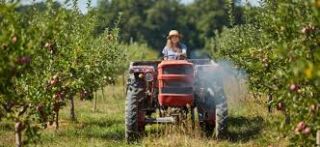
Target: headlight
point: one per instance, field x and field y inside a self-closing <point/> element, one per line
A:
<point x="149" y="77"/>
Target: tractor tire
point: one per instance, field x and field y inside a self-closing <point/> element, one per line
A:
<point x="206" y="128"/>
<point x="221" y="110"/>
<point x="133" y="128"/>
<point x="217" y="104"/>
<point x="203" y="106"/>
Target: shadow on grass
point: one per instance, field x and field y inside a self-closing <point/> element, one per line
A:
<point x="243" y="129"/>
<point x="240" y="129"/>
<point x="109" y="129"/>
<point x="103" y="128"/>
<point x="103" y="123"/>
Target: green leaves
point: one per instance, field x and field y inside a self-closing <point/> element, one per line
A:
<point x="280" y="53"/>
<point x="47" y="56"/>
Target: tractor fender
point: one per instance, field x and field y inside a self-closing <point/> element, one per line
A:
<point x="137" y="74"/>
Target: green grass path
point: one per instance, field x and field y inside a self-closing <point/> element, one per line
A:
<point x="248" y="126"/>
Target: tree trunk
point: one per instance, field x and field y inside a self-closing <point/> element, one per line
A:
<point x="72" y="113"/>
<point x="269" y="102"/>
<point x="94" y="102"/>
<point x="57" y="120"/>
<point x="18" y="139"/>
<point x="113" y="89"/>
<point x="102" y="92"/>
<point x="18" y="130"/>
<point x="318" y="139"/>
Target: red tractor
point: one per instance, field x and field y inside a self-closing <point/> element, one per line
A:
<point x="173" y="89"/>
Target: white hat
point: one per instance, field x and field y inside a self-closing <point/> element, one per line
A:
<point x="174" y="33"/>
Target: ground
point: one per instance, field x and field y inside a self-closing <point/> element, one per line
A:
<point x="249" y="125"/>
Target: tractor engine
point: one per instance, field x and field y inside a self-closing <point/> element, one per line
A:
<point x="176" y="79"/>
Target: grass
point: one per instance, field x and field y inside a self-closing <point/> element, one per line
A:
<point x="249" y="125"/>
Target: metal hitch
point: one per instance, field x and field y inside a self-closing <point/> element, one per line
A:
<point x="160" y="120"/>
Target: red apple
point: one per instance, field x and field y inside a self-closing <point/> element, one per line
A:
<point x="306" y="131"/>
<point x="301" y="125"/>
<point x="294" y="87"/>
<point x="53" y="82"/>
<point x="23" y="60"/>
<point x="58" y="95"/>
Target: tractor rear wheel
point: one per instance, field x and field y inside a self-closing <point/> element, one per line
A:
<point x="134" y="126"/>
<point x="221" y="116"/>
<point x="205" y="108"/>
<point x="214" y="105"/>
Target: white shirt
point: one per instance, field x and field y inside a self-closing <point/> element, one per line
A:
<point x="172" y="55"/>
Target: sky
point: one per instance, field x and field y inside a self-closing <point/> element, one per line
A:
<point x="83" y="3"/>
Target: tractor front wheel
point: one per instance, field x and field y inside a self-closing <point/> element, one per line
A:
<point x="134" y="116"/>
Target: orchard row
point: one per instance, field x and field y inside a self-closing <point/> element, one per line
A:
<point x="48" y="57"/>
<point x="280" y="50"/>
